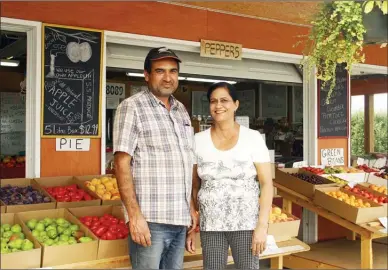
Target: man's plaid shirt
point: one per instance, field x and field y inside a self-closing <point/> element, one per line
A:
<point x="160" y="143"/>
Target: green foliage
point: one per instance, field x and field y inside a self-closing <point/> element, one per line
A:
<point x="380" y="131"/>
<point x="336" y="37"/>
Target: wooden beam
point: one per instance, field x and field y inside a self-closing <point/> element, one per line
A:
<point x="277" y="262"/>
<point x="366" y="253"/>
<point x="369" y="138"/>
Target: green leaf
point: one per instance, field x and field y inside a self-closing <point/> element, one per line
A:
<point x="369" y="6"/>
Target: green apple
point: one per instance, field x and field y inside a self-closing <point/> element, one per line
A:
<point x="49" y="242"/>
<point x="6" y="227"/>
<point x="35" y="233"/>
<point x="74" y="227"/>
<point x="85" y="239"/>
<point x="16" y="243"/>
<point x="27" y="245"/>
<point x="61" y="242"/>
<point x="47" y="221"/>
<point x="72" y="241"/>
<point x="67" y="232"/>
<point x="32" y="223"/>
<point x="64" y="238"/>
<point x="52" y="234"/>
<point x="16" y="228"/>
<point x="40" y="226"/>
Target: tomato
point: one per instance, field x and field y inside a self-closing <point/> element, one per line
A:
<point x="100" y="231"/>
<point x="103" y="237"/>
<point x="87" y="197"/>
<point x="114" y="221"/>
<point x="110" y="236"/>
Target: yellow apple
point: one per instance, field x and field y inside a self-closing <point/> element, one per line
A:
<point x="92" y="188"/>
<point x="276" y="211"/>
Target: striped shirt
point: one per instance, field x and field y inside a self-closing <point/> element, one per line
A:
<point x="160" y="143"/>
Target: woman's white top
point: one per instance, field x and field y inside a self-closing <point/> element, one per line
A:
<point x="229" y="194"/>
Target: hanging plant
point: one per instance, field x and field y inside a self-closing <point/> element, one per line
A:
<point x="336" y="37"/>
<point x="375" y="19"/>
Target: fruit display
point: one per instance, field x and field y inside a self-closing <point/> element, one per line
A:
<point x="382" y="175"/>
<point x="69" y="193"/>
<point x="334" y="170"/>
<point x="366" y="169"/>
<point x="106" y="227"/>
<point x="349" y="199"/>
<point x="56" y="232"/>
<point x="337" y="180"/>
<point x="277" y="215"/>
<point x="105" y="188"/>
<point x="13" y="161"/>
<point x="12" y="195"/>
<point x="13" y="239"/>
<point x="313" y="170"/>
<point x="312" y="179"/>
<point x="369" y="195"/>
<point x="381" y="189"/>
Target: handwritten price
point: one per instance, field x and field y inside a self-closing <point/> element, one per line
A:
<point x="88" y="129"/>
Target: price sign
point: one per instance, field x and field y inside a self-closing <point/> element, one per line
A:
<point x="116" y="90"/>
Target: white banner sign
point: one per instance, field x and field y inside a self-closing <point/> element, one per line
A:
<point x="116" y="90"/>
<point x="332" y="156"/>
<point x="72" y="144"/>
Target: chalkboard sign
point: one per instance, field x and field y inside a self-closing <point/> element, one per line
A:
<point x="247" y="103"/>
<point x="273" y="100"/>
<point x="333" y="118"/>
<point x="12" y="112"/>
<point x="71" y="81"/>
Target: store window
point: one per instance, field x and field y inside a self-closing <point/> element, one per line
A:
<point x="357" y="125"/>
<point x="273" y="108"/>
<point x="12" y="104"/>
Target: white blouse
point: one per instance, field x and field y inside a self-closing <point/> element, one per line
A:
<point x="229" y="194"/>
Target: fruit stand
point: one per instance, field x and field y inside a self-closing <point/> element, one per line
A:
<point x="345" y="206"/>
<point x="78" y="222"/>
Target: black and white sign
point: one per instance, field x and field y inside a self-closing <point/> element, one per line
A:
<point x="116" y="90"/>
<point x="12" y="112"/>
<point x="71" y="82"/>
<point x="332" y="157"/>
<point x="273" y="100"/>
<point x="72" y="144"/>
<point x="333" y="117"/>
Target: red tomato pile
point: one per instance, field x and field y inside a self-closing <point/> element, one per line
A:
<point x="106" y="227"/>
<point x="69" y="193"/>
<point x="313" y="170"/>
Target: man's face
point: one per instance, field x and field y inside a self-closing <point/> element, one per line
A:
<point x="163" y="79"/>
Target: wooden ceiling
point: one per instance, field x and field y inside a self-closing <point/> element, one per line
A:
<point x="285" y="11"/>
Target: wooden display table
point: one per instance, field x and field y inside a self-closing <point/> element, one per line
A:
<point x="366" y="232"/>
<point x="191" y="261"/>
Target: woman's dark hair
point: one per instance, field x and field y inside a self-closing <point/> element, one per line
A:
<point x="231" y="89"/>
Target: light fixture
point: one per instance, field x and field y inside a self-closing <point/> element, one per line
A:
<point x="208" y="80"/>
<point x="130" y="74"/>
<point x="9" y="63"/>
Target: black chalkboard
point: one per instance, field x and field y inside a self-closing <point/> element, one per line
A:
<point x="333" y="118"/>
<point x="71" y="81"/>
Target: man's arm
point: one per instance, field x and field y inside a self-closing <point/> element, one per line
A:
<point x="138" y="226"/>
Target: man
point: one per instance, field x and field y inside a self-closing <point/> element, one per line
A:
<point x="152" y="142"/>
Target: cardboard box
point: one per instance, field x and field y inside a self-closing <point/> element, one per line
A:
<point x="64" y="254"/>
<point x="65" y="181"/>
<point x="366" y="188"/>
<point x="83" y="179"/>
<point x="285" y="230"/>
<point x="23" y="182"/>
<point x="21" y="259"/>
<point x="2" y="207"/>
<point x="348" y="212"/>
<point x="106" y="248"/>
<point x="284" y="178"/>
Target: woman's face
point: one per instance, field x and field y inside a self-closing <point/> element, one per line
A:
<point x="222" y="106"/>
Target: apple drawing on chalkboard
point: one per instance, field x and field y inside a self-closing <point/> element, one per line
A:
<point x="78" y="51"/>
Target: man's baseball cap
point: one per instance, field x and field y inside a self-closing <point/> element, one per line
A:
<point x="160" y="53"/>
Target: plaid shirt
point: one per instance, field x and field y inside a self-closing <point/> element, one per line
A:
<point x="160" y="143"/>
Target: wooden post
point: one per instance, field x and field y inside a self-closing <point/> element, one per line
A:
<point x="287" y="206"/>
<point x="277" y="262"/>
<point x="366" y="253"/>
<point x="351" y="236"/>
<point x="369" y="116"/>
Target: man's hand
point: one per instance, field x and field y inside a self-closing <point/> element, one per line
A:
<point x="139" y="230"/>
<point x="259" y="240"/>
<point x="194" y="221"/>
<point x="190" y="242"/>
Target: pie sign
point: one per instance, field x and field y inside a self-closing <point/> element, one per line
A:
<point x="78" y="51"/>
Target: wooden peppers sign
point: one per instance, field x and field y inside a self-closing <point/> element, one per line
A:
<point x="71" y="81"/>
<point x="222" y="50"/>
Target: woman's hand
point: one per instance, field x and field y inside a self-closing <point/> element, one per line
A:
<point x="190" y="242"/>
<point x="259" y="240"/>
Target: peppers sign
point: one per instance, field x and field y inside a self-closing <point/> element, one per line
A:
<point x="223" y="50"/>
<point x="332" y="157"/>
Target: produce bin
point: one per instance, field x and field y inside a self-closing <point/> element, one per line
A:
<point x="64" y="254"/>
<point x="106" y="248"/>
<point x="348" y="212"/>
<point x="65" y="181"/>
<point x="284" y="230"/>
<point x="23" y="182"/>
<point x="284" y="178"/>
<point x="2" y="207"/>
<point x="83" y="179"/>
<point x="22" y="259"/>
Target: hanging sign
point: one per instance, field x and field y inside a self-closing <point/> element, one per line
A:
<point x="332" y="157"/>
<point x="223" y="50"/>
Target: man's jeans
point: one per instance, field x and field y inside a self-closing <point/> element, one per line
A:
<point x="166" y="250"/>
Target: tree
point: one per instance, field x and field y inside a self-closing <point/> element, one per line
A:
<point x="358" y="134"/>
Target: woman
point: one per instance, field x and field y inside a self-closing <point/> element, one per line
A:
<point x="230" y="159"/>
